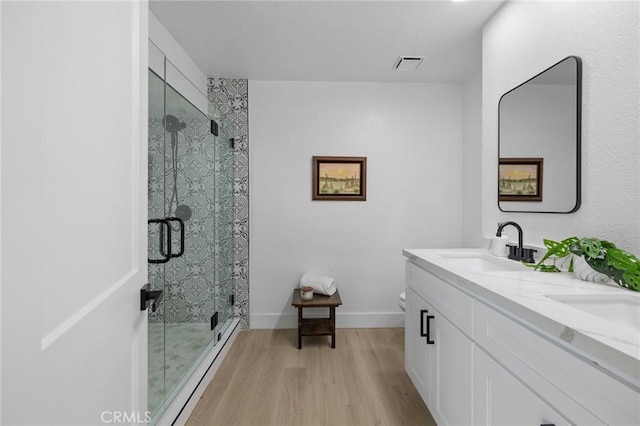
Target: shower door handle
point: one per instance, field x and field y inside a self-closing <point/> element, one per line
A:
<point x="164" y="223"/>
<point x="181" y="223"/>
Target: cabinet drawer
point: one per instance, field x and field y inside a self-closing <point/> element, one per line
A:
<point x="500" y="399"/>
<point x="554" y="373"/>
<point x="452" y="303"/>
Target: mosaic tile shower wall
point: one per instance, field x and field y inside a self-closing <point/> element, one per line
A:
<point x="223" y="216"/>
<point x="228" y="101"/>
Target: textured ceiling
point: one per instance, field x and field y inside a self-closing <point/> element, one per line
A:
<point x="329" y="40"/>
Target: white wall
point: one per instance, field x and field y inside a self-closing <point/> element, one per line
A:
<point x="412" y="137"/>
<point x="1" y="216"/>
<point x="471" y="163"/>
<point x="524" y="38"/>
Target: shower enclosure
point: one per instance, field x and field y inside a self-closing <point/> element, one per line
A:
<point x="190" y="215"/>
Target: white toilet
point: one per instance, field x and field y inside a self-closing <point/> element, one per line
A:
<point x="402" y="300"/>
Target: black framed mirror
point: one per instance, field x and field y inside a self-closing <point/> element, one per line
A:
<point x="539" y="127"/>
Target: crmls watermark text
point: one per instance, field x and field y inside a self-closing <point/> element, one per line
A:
<point x="125" y="417"/>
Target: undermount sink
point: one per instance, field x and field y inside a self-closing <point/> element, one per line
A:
<point x="482" y="263"/>
<point x="621" y="309"/>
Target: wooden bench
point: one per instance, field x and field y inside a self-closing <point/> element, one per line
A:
<point x="317" y="326"/>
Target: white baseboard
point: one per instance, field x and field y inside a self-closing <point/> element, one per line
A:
<point x="344" y="320"/>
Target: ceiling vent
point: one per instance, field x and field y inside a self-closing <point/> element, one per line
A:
<point x="408" y="63"/>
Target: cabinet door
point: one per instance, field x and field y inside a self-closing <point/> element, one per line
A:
<point x="417" y="354"/>
<point x="451" y="368"/>
<point x="501" y="399"/>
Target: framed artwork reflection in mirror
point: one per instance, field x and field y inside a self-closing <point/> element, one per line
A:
<point x="520" y="179"/>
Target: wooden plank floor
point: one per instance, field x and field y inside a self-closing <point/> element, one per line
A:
<point x="265" y="380"/>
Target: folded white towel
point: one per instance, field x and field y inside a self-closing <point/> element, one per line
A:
<point x="320" y="283"/>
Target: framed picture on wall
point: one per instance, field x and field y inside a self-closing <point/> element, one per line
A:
<point x="339" y="178"/>
<point x="520" y="179"/>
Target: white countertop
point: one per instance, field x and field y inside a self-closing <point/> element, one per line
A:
<point x="523" y="294"/>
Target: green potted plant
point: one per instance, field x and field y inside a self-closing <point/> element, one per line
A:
<point x="603" y="256"/>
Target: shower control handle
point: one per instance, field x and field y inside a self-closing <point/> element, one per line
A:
<point x="181" y="223"/>
<point x="149" y="297"/>
<point x="164" y="223"/>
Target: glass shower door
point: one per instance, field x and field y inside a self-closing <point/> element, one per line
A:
<point x="182" y="240"/>
<point x="189" y="301"/>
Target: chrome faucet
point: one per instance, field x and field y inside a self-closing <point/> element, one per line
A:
<point x="520" y="252"/>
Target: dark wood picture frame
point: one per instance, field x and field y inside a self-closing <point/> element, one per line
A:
<point x="339" y="178"/>
<point x="520" y="189"/>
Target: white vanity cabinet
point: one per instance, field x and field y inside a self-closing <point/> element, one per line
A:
<point x="486" y="366"/>
<point x="438" y="355"/>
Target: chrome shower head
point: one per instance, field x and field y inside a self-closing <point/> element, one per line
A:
<point x="172" y="124"/>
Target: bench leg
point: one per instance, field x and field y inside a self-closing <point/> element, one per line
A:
<point x="299" y="328"/>
<point x="332" y="322"/>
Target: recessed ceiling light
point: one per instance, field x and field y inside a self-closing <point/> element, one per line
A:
<point x="408" y="63"/>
